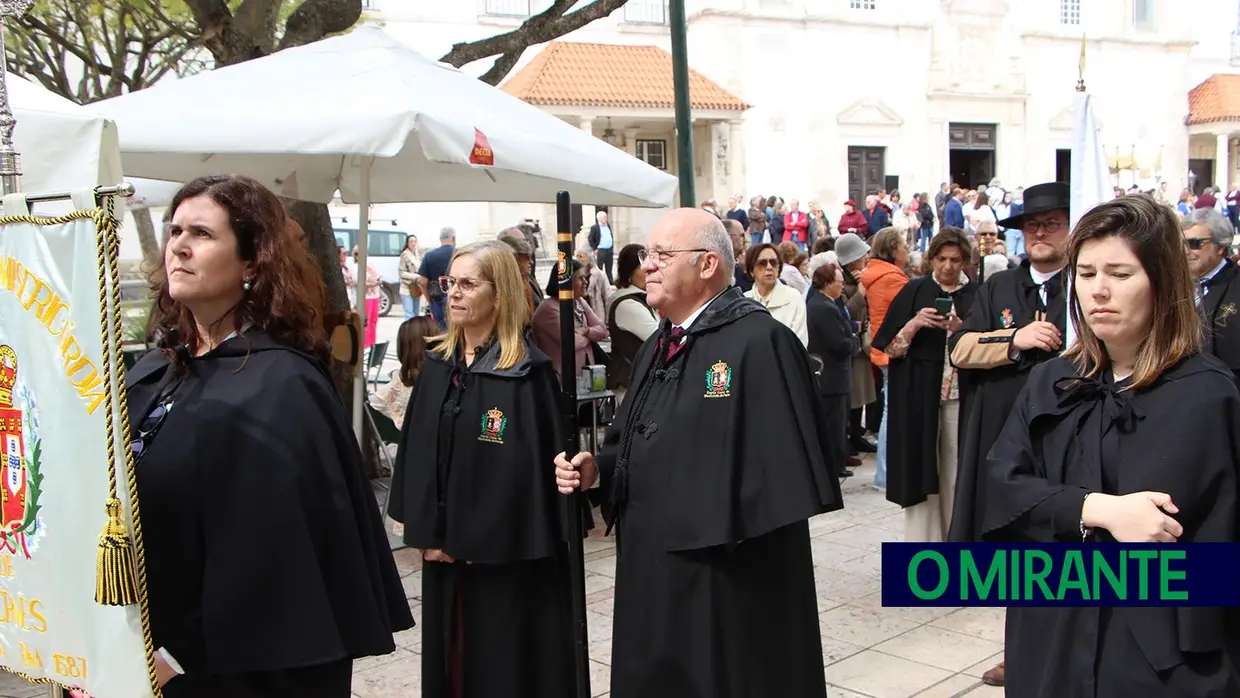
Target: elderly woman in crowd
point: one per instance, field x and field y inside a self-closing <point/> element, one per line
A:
<point x="630" y="321"/>
<point x="590" y="328"/>
<point x="1131" y="436"/>
<point x="598" y="290"/>
<point x="853" y="254"/>
<point x="791" y="272"/>
<point x="474" y="491"/>
<point x="923" y="406"/>
<point x="833" y="342"/>
<point x="883" y="278"/>
<point x="783" y="301"/>
<point x="252" y="595"/>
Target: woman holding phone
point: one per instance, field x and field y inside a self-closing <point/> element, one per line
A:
<point x="923" y="404"/>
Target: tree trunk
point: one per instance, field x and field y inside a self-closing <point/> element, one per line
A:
<point x="145" y="223"/>
<point x="315" y="220"/>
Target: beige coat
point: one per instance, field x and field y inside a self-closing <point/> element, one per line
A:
<point x="787" y="305"/>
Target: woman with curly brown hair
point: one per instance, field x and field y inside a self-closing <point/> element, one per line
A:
<point x="268" y="570"/>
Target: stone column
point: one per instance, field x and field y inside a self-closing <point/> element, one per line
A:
<point x="586" y="123"/>
<point x="736" y="161"/>
<point x="1222" y="162"/>
<point x="625" y="219"/>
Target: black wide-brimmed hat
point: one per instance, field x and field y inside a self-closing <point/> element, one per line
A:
<point x="1040" y="198"/>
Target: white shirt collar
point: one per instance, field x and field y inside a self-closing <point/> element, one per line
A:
<point x="1222" y="263"/>
<point x="959" y="284"/>
<point x="1039" y="277"/>
<point x="701" y="308"/>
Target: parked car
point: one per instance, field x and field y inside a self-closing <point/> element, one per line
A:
<point x="383" y="248"/>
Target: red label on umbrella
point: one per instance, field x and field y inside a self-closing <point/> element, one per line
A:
<point x="482" y="153"/>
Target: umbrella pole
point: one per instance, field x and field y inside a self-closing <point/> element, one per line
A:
<point x="363" y="230"/>
<point x="573" y="502"/>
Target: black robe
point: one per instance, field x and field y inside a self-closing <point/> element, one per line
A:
<point x="916" y="382"/>
<point x="1006" y="302"/>
<point x="1067" y="437"/>
<point x="714" y="465"/>
<point x="475" y="477"/>
<point x="268" y="569"/>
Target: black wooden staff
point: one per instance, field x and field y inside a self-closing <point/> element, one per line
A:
<point x="568" y="383"/>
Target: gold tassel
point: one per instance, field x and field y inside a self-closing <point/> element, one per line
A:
<point x="115" y="570"/>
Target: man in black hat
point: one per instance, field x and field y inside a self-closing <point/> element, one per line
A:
<point x="1018" y="320"/>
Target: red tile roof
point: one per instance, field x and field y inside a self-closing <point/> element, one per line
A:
<point x="611" y="75"/>
<point x="1216" y="99"/>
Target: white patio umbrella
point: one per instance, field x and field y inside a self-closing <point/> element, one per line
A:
<point x="413" y="130"/>
<point x="64" y="146"/>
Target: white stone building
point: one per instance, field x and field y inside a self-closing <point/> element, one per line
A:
<point x="848" y="96"/>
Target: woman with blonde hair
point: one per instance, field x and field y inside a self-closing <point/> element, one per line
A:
<point x="476" y="495"/>
<point x="1131" y="436"/>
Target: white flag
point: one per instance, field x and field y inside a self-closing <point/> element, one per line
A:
<point x="54" y="408"/>
<point x="1091" y="177"/>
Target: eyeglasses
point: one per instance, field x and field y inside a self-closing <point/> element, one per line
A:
<point x="1196" y="243"/>
<point x="149" y="426"/>
<point x="662" y="258"/>
<point x="766" y="262"/>
<point x="1048" y="227"/>
<point x="990" y="234"/>
<point x="467" y="285"/>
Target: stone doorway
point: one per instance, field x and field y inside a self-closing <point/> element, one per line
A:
<point x="971" y="154"/>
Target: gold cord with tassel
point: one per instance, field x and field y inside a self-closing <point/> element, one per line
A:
<point x="116" y="581"/>
<point x="115" y="568"/>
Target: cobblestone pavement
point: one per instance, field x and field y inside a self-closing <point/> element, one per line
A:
<point x="868" y="651"/>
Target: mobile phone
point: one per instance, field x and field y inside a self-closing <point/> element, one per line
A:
<point x="943" y="306"/>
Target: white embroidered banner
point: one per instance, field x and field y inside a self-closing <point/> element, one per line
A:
<point x="71" y="607"/>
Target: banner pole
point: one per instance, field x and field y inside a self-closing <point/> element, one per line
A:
<point x="575" y="502"/>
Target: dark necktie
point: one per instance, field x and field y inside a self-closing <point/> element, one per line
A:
<point x="673" y="344"/>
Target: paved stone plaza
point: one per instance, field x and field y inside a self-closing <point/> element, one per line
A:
<point x="868" y="651"/>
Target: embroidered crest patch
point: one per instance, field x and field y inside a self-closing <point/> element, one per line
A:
<point x="719" y="380"/>
<point x="1006" y="316"/>
<point x="1225" y="312"/>
<point x="493" y="425"/>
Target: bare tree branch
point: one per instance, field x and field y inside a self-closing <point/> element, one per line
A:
<point x="315" y="19"/>
<point x="552" y="23"/>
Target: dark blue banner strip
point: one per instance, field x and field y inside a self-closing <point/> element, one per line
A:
<point x="1061" y="574"/>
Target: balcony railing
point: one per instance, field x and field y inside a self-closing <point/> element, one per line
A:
<point x="645" y="12"/>
<point x="507" y="8"/>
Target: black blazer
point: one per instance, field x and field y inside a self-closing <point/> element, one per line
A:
<point x="831" y="341"/>
<point x="1222" y="322"/>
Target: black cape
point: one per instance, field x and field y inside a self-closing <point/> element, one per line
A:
<point x="1067" y="437"/>
<point x="268" y="567"/>
<point x="1005" y="301"/>
<point x="475" y="478"/>
<point x="714" y="465"/>
<point x="915" y="381"/>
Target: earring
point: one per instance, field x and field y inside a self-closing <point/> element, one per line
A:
<point x="245" y="285"/>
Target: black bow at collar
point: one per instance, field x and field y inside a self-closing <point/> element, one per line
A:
<point x="1117" y="408"/>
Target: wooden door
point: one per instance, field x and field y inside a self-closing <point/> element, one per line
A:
<point x="866" y="167"/>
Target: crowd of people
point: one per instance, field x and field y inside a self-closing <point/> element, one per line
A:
<point x="752" y="370"/>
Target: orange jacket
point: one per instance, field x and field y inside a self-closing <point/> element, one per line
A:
<point x="882" y="281"/>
